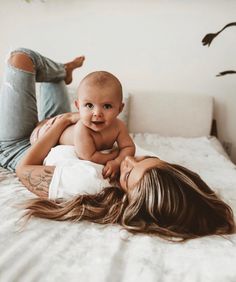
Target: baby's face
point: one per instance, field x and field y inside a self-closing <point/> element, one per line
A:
<point x="98" y="106"/>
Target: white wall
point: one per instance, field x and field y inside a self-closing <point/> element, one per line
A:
<point x="150" y="45"/>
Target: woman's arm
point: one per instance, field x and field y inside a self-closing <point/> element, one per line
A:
<point x="35" y="176"/>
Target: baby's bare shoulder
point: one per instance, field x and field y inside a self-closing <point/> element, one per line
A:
<point x="121" y="126"/>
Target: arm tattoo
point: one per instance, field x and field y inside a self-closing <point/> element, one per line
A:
<point x="38" y="181"/>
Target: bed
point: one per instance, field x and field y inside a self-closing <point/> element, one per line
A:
<point x="177" y="129"/>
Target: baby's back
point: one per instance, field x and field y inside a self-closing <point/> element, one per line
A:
<point x="67" y="137"/>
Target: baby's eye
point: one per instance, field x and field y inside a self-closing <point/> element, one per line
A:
<point x="107" y="106"/>
<point x="89" y="105"/>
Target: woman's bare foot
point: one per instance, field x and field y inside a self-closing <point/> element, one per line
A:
<point x="70" y="66"/>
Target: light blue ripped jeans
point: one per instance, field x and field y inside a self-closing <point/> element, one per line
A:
<point x="18" y="106"/>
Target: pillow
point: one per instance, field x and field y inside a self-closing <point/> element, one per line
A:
<point x="171" y="114"/>
<point x="124" y="115"/>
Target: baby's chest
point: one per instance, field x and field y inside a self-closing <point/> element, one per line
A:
<point x="105" y="140"/>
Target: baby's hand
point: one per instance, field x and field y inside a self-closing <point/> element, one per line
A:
<point x="111" y="170"/>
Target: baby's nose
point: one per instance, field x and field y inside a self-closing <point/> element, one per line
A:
<point x="130" y="160"/>
<point x="97" y="112"/>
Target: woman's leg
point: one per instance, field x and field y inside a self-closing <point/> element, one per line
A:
<point x="53" y="97"/>
<point x="18" y="109"/>
<point x="53" y="100"/>
<point x="18" y="106"/>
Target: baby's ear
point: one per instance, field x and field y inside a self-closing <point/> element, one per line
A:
<point x="77" y="104"/>
<point x="121" y="107"/>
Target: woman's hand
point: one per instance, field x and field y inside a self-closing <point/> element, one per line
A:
<point x="71" y="118"/>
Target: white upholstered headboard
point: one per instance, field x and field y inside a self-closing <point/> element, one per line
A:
<point x="166" y="114"/>
<point x="171" y="115"/>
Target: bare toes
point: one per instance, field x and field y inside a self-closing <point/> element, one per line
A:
<point x="71" y="66"/>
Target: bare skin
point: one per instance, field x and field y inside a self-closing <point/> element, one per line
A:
<point x="37" y="177"/>
<point x="24" y="62"/>
<point x="71" y="66"/>
<point x="37" y="180"/>
<point x="30" y="170"/>
<point x="98" y="127"/>
<point x="133" y="169"/>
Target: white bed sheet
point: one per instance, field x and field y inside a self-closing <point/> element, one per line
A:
<point x="62" y="251"/>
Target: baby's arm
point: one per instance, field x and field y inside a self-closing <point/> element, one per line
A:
<point x="126" y="148"/>
<point x="85" y="146"/>
<point x="125" y="143"/>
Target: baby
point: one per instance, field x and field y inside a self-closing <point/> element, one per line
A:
<point x="99" y="103"/>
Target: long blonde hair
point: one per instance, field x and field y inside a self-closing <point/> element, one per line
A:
<point x="169" y="201"/>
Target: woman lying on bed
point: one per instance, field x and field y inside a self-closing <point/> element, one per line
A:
<point x="150" y="196"/>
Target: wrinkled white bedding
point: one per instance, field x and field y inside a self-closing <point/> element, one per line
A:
<point x="62" y="251"/>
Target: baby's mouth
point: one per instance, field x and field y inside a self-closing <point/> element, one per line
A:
<point x="98" y="122"/>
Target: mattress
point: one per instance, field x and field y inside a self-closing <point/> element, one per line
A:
<point x="47" y="250"/>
